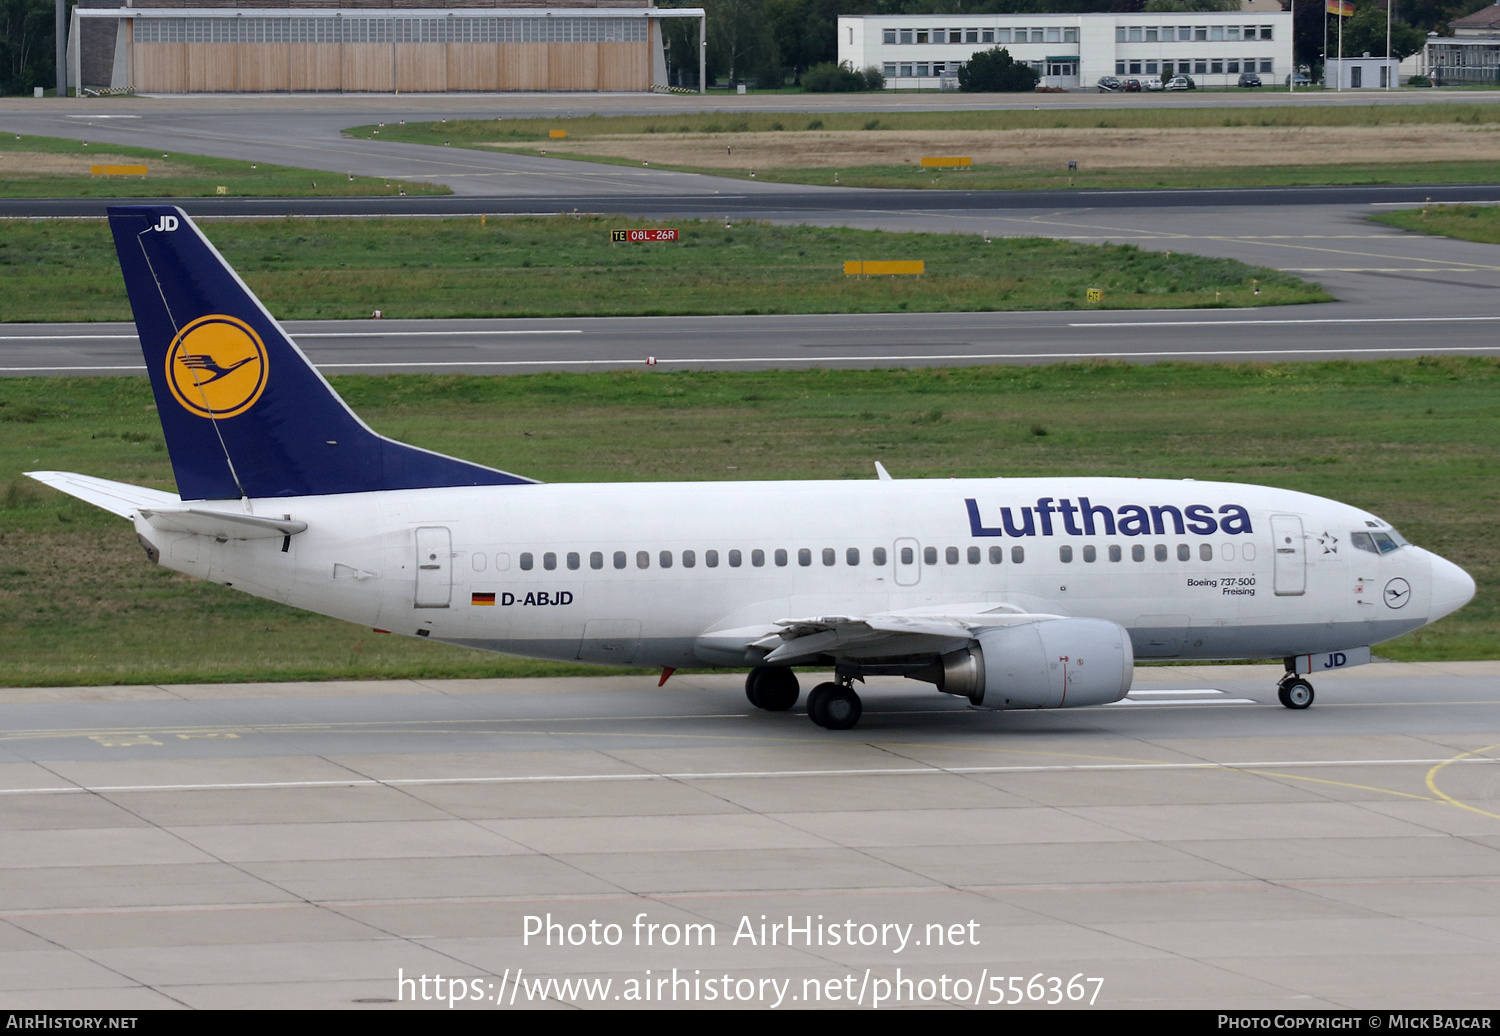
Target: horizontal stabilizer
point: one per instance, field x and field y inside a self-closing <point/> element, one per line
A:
<point x="222" y="525"/>
<point x="119" y="498"/>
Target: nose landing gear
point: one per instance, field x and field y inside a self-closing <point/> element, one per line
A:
<point x="1294" y="692"/>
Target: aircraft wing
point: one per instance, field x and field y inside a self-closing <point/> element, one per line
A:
<point x="889" y="635"/>
<point x="119" y="498"/>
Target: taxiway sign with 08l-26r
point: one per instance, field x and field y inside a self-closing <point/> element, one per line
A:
<point x="1014" y="593"/>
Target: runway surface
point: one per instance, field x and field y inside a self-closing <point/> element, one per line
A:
<point x="1195" y="846"/>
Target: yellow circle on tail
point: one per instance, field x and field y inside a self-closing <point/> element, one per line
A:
<point x="216" y="367"/>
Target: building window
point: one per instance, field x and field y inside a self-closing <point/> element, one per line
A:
<point x="1232" y="32"/>
<point x="1054" y="36"/>
<point x="1151" y="68"/>
<point x="1184" y="32"/>
<point x="1216" y="66"/>
<point x="1200" y="67"/>
<point x="1231" y="66"/>
<point x="1119" y="34"/>
<point x="1267" y="65"/>
<point x="988" y="35"/>
<point x="922" y="35"/>
<point x="1265" y="32"/>
<point x="905" y="35"/>
<point x="1038" y="35"/>
<point x="906" y="71"/>
<point x="921" y="69"/>
<point x="1135" y="68"/>
<point x="1119" y="68"/>
<point x="1151" y="31"/>
<point x="1001" y="36"/>
<point x="1216" y="32"/>
<point x="1200" y="32"/>
<point x="888" y="70"/>
<point x="1136" y="32"/>
<point x="1070" y="35"/>
<point x="888" y="36"/>
<point x="971" y="35"/>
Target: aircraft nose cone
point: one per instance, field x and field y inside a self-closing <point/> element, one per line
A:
<point x="1452" y="588"/>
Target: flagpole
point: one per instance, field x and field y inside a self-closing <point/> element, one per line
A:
<point x="1388" y="5"/>
<point x="1325" y="45"/>
<point x="1341" y="45"/>
<point x="1291" y="80"/>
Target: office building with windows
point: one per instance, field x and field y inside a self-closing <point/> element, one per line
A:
<point x="1073" y="50"/>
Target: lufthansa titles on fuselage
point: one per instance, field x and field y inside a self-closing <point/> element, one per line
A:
<point x="1086" y="518"/>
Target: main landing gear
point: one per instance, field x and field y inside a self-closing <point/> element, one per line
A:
<point x="1294" y="692"/>
<point x="772" y="688"/>
<point x="833" y="706"/>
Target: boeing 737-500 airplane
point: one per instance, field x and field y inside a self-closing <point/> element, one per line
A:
<point x="1028" y="593"/>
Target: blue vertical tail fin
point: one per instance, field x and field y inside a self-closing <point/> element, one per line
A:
<point x="244" y="412"/>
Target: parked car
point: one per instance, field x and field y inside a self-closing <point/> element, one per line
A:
<point x="1298" y="80"/>
<point x="1154" y="84"/>
<point x="1181" y="83"/>
<point x="1109" y="85"/>
<point x="1249" y="79"/>
<point x="1132" y="86"/>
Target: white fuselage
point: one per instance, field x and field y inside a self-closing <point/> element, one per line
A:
<point x="643" y="573"/>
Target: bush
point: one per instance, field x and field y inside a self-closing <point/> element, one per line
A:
<point x="1419" y="81"/>
<point x="874" y="78"/>
<point x="829" y="78"/>
<point x="995" y="71"/>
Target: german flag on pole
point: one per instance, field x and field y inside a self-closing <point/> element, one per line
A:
<point x="1341" y="8"/>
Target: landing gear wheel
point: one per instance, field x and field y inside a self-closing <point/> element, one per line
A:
<point x="1295" y="694"/>
<point x="833" y="706"/>
<point x="771" y="688"/>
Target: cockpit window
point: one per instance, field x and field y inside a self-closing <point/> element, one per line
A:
<point x="1377" y="542"/>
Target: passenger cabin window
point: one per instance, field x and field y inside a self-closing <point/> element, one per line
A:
<point x="619" y="559"/>
<point x="1018" y="554"/>
<point x="526" y="562"/>
<point x="734" y="559"/>
<point x="906" y="556"/>
<point x="689" y="559"/>
<point x="878" y="555"/>
<point x="973" y="555"/>
<point x="643" y="559"/>
<point x="1090" y="554"/>
<point x="831" y="556"/>
<point x="573" y="560"/>
<point x="1205" y="552"/>
<point x="711" y="558"/>
<point x="1137" y="552"/>
<point x="951" y="555"/>
<point x="1184" y="552"/>
<point x="1114" y="552"/>
<point x="596" y="560"/>
<point x="549" y="561"/>
<point x="929" y="555"/>
<point x="665" y="558"/>
<point x="804" y="557"/>
<point x="851" y="556"/>
<point x="997" y="555"/>
<point x="758" y="558"/>
<point x="1065" y="554"/>
<point x="780" y="558"/>
<point x="1161" y="552"/>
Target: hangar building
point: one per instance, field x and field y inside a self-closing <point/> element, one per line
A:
<point x="370" y="46"/>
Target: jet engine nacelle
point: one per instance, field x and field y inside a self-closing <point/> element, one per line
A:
<point x="1052" y="664"/>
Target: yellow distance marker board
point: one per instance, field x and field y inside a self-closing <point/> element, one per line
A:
<point x="941" y="162"/>
<point x="876" y="267"/>
<point x="117" y="170"/>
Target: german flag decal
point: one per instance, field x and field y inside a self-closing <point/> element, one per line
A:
<point x="488" y="600"/>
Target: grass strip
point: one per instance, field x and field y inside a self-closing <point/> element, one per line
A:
<point x="1411" y="440"/>
<point x="565" y="266"/>
<point x="464" y="132"/>
<point x="1466" y="222"/>
<point x="51" y="167"/>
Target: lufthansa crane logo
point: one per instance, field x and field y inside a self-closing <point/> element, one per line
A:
<point x="216" y="367"/>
